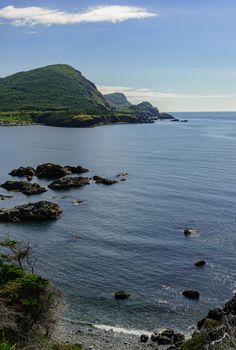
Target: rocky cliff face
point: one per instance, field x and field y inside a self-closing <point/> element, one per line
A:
<point x="216" y="331"/>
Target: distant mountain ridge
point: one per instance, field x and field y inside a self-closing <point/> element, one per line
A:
<point x="143" y="109"/>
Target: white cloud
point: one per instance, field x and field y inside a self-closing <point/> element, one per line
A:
<point x="31" y="16"/>
<point x="145" y="94"/>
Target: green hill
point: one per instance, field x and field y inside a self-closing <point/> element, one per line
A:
<point x="118" y="100"/>
<point x="60" y="95"/>
<point x="52" y="88"/>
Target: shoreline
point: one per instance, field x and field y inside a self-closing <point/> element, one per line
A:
<point x="103" y="337"/>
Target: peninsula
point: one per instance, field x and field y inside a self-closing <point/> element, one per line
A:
<point x="59" y="95"/>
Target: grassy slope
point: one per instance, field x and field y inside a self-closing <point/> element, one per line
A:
<point x="56" y="87"/>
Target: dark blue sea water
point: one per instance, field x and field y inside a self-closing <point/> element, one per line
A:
<point x="130" y="235"/>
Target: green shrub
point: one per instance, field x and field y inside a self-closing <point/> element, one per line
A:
<point x="6" y="346"/>
<point x="195" y="343"/>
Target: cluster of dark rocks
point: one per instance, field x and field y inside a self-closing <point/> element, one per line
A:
<point x="55" y="172"/>
<point x="167" y="337"/>
<point x="45" y="210"/>
<point x="48" y="171"/>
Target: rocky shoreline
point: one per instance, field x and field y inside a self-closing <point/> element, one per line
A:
<point x="104" y="337"/>
<point x="215" y="331"/>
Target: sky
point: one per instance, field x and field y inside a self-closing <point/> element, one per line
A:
<point x="178" y="54"/>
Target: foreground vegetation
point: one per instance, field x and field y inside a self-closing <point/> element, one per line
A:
<point x="29" y="304"/>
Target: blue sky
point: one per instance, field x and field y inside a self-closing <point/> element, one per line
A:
<point x="178" y="54"/>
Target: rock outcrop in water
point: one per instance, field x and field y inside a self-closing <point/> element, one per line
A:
<point x="200" y="263"/>
<point x="69" y="182"/>
<point x="189" y="232"/>
<point x="23" y="187"/>
<point x="103" y="180"/>
<point x="39" y="211"/>
<point x="121" y="295"/>
<point x="23" y="171"/>
<point x="51" y="171"/>
<point x="191" y="294"/>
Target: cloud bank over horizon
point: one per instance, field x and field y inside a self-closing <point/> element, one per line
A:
<point x="173" y="101"/>
<point x="42" y="16"/>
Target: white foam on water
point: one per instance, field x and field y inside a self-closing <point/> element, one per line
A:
<point x="121" y="330"/>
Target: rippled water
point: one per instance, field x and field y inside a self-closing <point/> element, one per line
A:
<point x="130" y="235"/>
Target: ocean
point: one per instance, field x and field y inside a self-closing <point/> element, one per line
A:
<point x="129" y="236"/>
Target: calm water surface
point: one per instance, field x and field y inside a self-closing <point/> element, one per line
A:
<point x="130" y="235"/>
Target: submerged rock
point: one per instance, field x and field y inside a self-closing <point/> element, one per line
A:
<point x="69" y="182"/>
<point x="38" y="211"/>
<point x="23" y="171"/>
<point x="122" y="175"/>
<point x="23" y="187"/>
<point x="200" y="263"/>
<point x="103" y="180"/>
<point x="191" y="294"/>
<point x="3" y="197"/>
<point x="78" y="202"/>
<point x="122" y="295"/>
<point x="189" y="232"/>
<point x="51" y="171"/>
